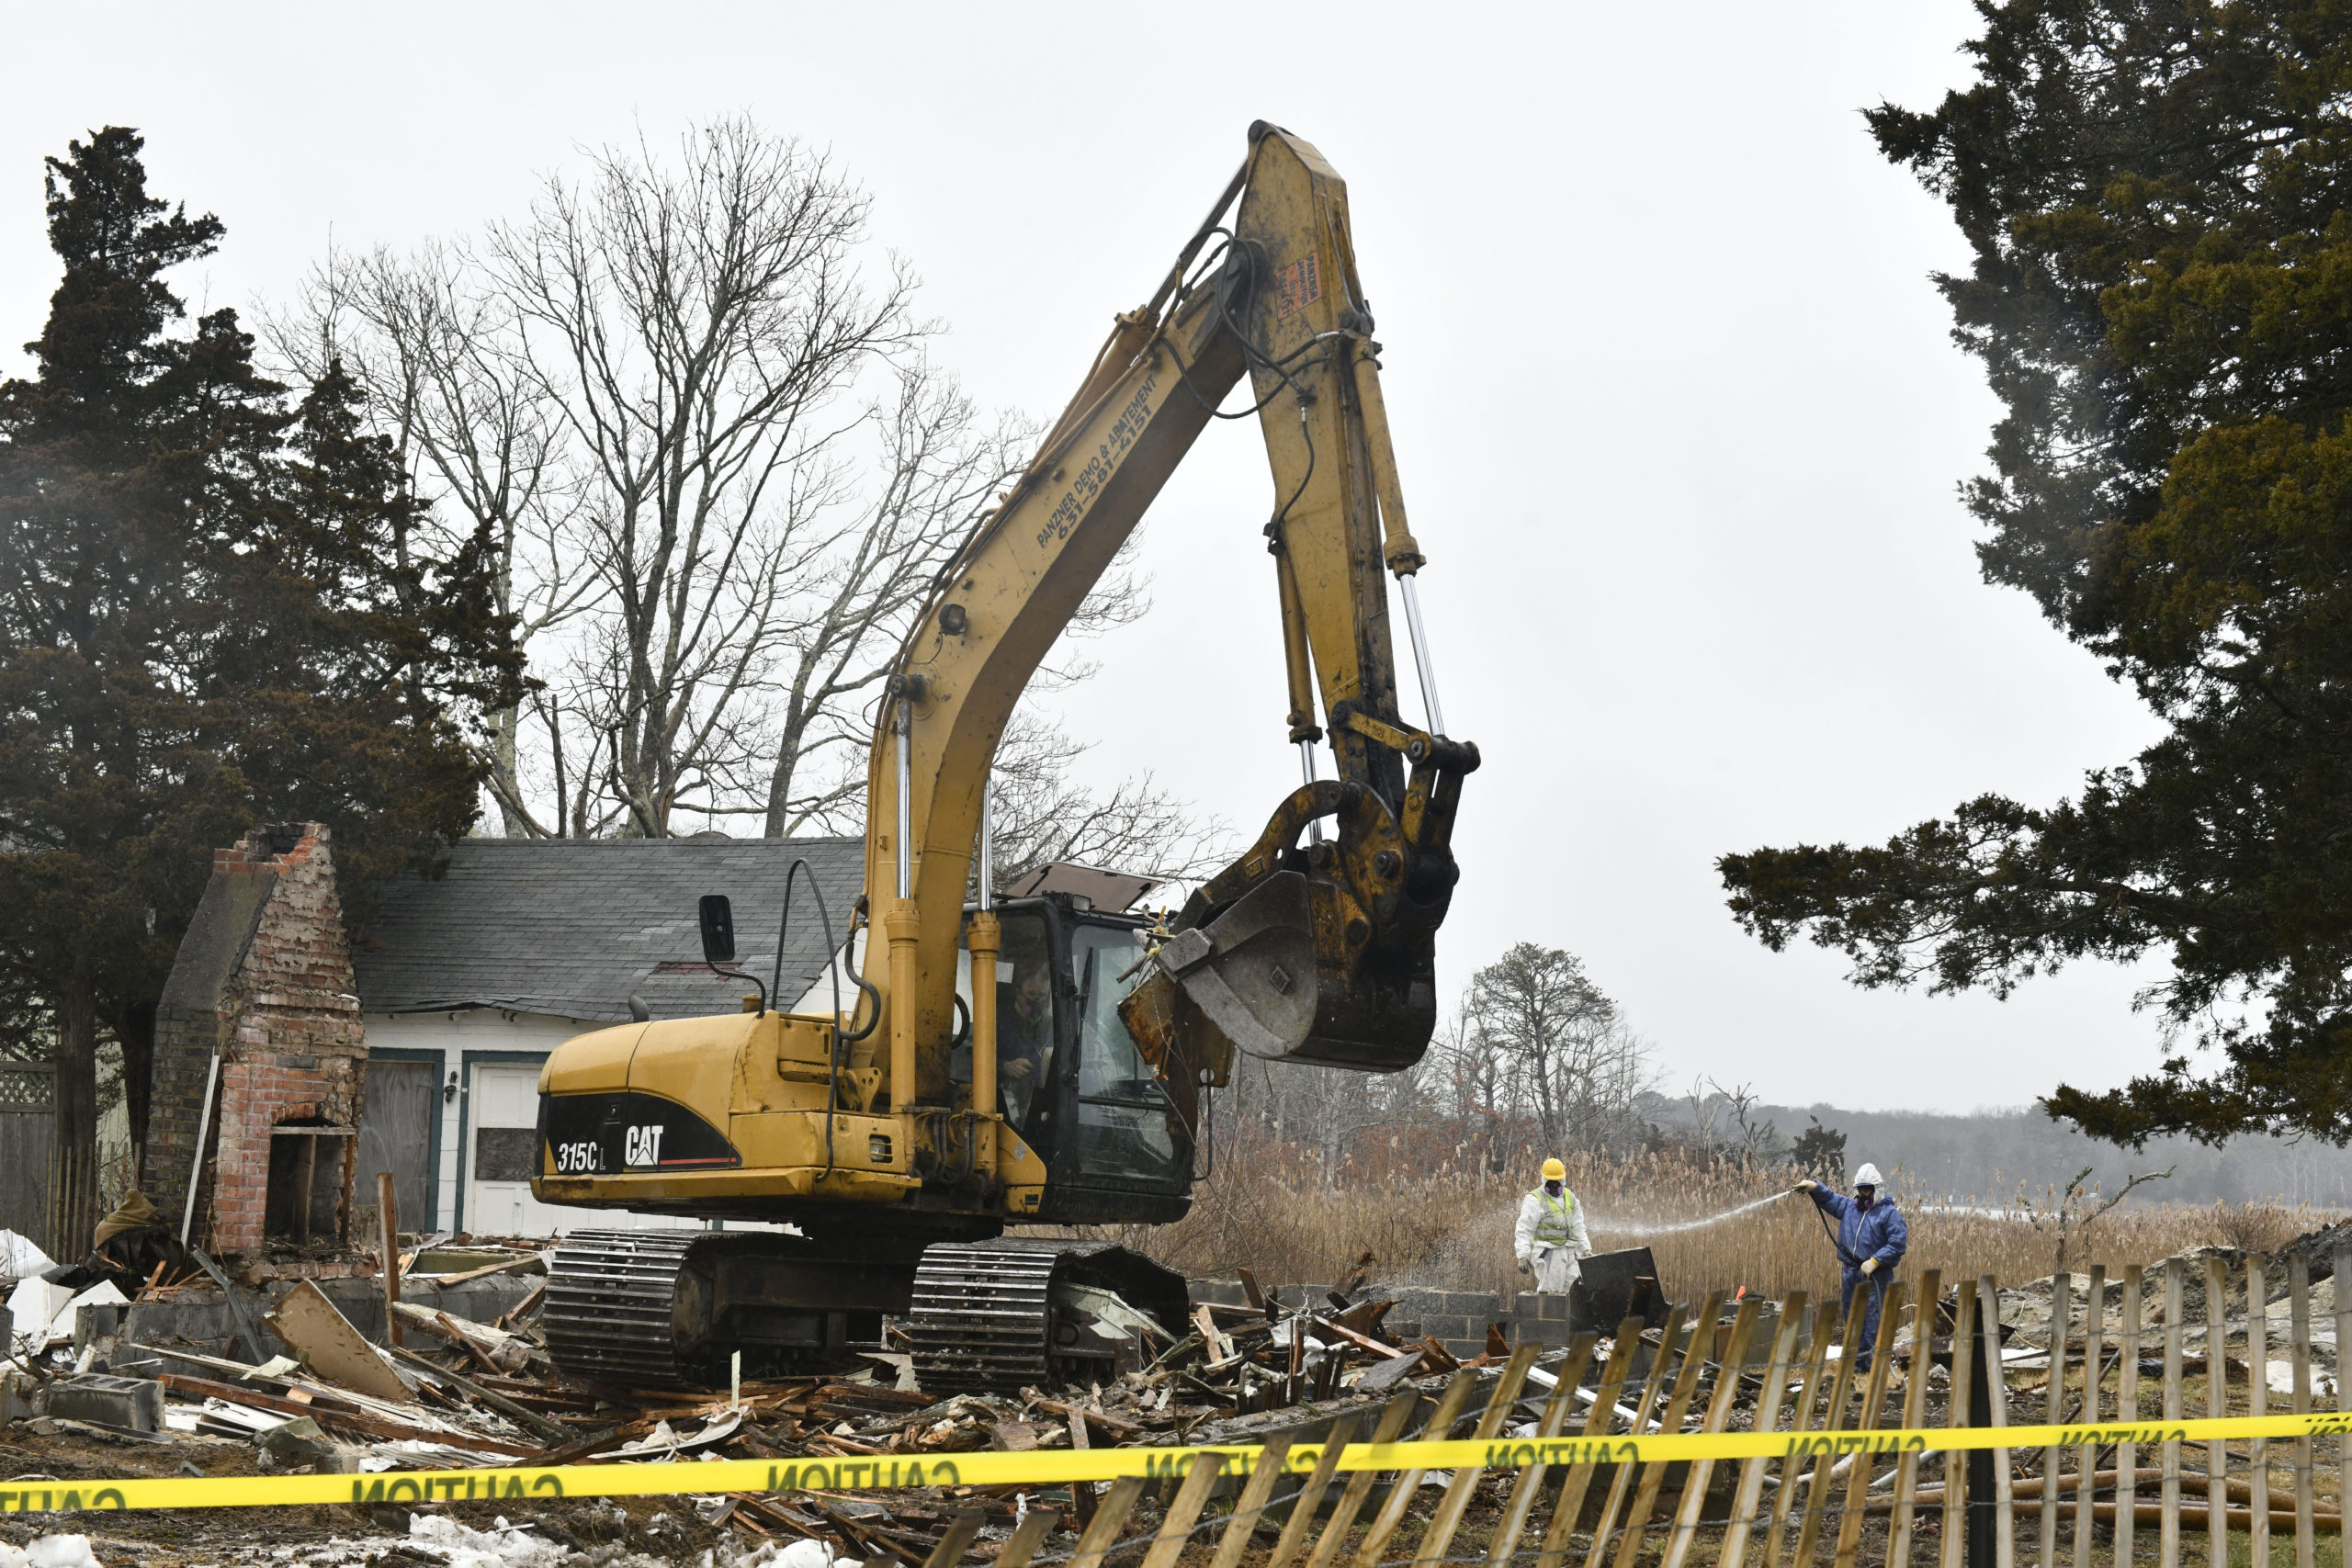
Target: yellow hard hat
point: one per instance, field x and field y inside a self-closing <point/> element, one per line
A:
<point x="1554" y="1171"/>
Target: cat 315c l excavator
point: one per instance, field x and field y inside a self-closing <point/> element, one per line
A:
<point x="899" y="1136"/>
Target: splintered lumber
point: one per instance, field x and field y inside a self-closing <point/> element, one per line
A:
<point x="529" y="1420"/>
<point x="1249" y="1289"/>
<point x="443" y="1281"/>
<point x="1331" y="1325"/>
<point x="388" y="1252"/>
<point x="328" y="1414"/>
<point x="496" y="1348"/>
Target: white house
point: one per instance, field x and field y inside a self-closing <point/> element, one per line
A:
<point x="466" y="983"/>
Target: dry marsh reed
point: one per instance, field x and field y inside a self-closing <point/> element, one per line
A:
<point x="1454" y="1229"/>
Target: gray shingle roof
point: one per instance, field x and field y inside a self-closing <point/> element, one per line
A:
<point x="573" y="928"/>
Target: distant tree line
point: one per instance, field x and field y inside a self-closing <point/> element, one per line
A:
<point x="1537" y="1060"/>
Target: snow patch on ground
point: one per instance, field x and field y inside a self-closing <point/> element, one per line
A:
<point x="50" y="1551"/>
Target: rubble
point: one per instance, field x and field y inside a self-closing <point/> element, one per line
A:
<point x="474" y="1393"/>
<point x="459" y="1393"/>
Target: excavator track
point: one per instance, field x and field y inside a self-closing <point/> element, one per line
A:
<point x="672" y="1308"/>
<point x="612" y="1307"/>
<point x="981" y="1313"/>
<point x="985" y="1317"/>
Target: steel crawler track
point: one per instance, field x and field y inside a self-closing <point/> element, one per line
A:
<point x="983" y="1313"/>
<point x="611" y="1308"/>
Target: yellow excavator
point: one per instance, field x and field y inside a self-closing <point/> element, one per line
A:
<point x="1042" y="1061"/>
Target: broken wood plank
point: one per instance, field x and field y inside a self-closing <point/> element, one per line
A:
<point x="529" y="1420"/>
<point x="1329" y="1325"/>
<point x="326" y="1342"/>
<point x="388" y="1254"/>
<point x="443" y="1281"/>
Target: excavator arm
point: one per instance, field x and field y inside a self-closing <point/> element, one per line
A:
<point x="1317" y="950"/>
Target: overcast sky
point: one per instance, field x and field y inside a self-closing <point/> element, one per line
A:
<point x="1677" y="417"/>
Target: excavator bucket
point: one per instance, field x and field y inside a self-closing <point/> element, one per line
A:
<point x="1275" y="975"/>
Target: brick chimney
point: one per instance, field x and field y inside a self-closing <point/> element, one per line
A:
<point x="263" y="981"/>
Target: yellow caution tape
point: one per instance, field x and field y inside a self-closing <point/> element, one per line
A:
<point x="1049" y="1467"/>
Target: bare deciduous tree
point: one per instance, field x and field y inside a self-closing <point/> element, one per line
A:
<point x="438" y="348"/>
<point x="1042" y="814"/>
<point x="702" y="331"/>
<point x="1568" y="1056"/>
<point x="700" y="423"/>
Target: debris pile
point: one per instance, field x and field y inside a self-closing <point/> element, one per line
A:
<point x="1264" y="1355"/>
<point x="445" y="1391"/>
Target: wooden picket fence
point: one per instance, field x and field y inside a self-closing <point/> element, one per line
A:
<point x="2055" y="1508"/>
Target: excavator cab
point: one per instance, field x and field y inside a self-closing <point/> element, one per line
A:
<point x="1116" y="1137"/>
<point x="1116" y="1130"/>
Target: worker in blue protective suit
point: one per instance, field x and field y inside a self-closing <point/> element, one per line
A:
<point x="1870" y="1241"/>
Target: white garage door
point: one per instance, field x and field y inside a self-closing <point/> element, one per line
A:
<point x="504" y="1151"/>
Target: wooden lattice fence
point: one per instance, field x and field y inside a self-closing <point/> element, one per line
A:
<point x="2185" y="1339"/>
<point x="27" y="1120"/>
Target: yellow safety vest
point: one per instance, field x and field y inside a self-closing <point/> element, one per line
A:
<point x="1554" y="1226"/>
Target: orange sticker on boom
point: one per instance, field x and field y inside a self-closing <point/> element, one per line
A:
<point x="1297" y="287"/>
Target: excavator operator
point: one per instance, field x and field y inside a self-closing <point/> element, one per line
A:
<point x="1024" y="1036"/>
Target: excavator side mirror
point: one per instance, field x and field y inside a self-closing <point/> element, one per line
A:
<point x="717" y="929"/>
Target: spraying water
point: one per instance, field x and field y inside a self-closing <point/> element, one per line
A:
<point x="1639" y="1228"/>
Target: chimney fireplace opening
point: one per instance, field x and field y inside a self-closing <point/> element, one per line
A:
<point x="304" y="1199"/>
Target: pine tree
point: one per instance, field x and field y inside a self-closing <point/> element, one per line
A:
<point x="2162" y="296"/>
<point x="213" y="611"/>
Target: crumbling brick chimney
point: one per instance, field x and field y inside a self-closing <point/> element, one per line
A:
<point x="264" y="982"/>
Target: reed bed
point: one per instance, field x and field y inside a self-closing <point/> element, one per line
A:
<point x="1454" y="1229"/>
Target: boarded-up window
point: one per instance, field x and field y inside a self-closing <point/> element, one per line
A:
<point x="396" y="1134"/>
<point x="505" y="1153"/>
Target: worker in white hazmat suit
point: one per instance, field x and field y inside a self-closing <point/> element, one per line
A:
<point x="1551" y="1238"/>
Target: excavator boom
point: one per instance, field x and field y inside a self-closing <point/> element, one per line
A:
<point x="1319" y="952"/>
